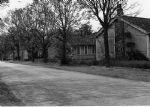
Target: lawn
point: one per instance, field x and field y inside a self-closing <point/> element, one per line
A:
<point x="115" y="72"/>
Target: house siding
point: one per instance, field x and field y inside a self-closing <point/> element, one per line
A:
<point x="25" y="55"/>
<point x="139" y="38"/>
<point x="148" y="48"/>
<point x="111" y="40"/>
<point x="100" y="50"/>
<point x="75" y="55"/>
<point x="119" y="39"/>
<point x="84" y="55"/>
<point x="52" y="53"/>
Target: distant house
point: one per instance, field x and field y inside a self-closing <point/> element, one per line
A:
<point x="83" y="47"/>
<point x="126" y="34"/>
<point x="23" y="54"/>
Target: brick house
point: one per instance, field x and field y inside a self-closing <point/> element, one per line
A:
<point x="125" y="33"/>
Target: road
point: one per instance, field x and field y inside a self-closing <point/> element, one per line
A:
<point x="36" y="85"/>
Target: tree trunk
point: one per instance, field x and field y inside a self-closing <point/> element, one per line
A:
<point x="106" y="44"/>
<point x="13" y="55"/>
<point x="123" y="42"/>
<point x="18" y="52"/>
<point x="64" y="58"/>
<point x="33" y="56"/>
<point x="45" y="54"/>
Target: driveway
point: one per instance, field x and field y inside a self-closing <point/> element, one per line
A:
<point x="36" y="85"/>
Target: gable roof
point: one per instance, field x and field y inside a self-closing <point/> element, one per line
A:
<point x="142" y="24"/>
<point x="82" y="40"/>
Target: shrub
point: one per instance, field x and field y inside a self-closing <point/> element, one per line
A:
<point x="132" y="64"/>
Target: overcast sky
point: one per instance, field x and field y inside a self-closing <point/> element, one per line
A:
<point x="12" y="5"/>
<point x="144" y="4"/>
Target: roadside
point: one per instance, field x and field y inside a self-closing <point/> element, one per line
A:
<point x="44" y="86"/>
<point x="115" y="72"/>
<point x="7" y="98"/>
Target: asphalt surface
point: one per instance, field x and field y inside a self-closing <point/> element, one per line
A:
<point x="39" y="86"/>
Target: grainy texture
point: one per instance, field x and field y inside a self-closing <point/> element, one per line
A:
<point x="7" y="98"/>
<point x="36" y="85"/>
<point x="124" y="72"/>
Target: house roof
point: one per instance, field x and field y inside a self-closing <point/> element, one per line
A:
<point x="142" y="24"/>
<point x="82" y="40"/>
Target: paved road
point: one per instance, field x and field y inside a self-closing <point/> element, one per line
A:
<point x="36" y="85"/>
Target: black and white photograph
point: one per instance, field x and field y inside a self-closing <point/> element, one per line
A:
<point x="74" y="53"/>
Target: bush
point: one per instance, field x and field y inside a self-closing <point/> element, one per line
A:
<point x="132" y="64"/>
<point x="84" y="62"/>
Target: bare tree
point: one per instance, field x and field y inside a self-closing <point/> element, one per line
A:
<point x="3" y="1"/>
<point x="5" y="46"/>
<point x="15" y="32"/>
<point x="41" y="22"/>
<point x="68" y="16"/>
<point x="36" y="23"/>
<point x="85" y="30"/>
<point x="104" y="11"/>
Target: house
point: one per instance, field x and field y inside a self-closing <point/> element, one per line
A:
<point x="82" y="48"/>
<point x="126" y="33"/>
<point x="13" y="55"/>
<point x="129" y="37"/>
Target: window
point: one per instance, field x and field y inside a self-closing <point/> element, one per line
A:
<point x="93" y="50"/>
<point x="89" y="50"/>
<point x="86" y="50"/>
<point x="78" y="50"/>
<point x="82" y="50"/>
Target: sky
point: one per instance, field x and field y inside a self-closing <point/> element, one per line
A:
<point x="144" y="6"/>
<point x="13" y="4"/>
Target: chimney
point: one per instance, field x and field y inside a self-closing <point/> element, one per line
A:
<point x="119" y="10"/>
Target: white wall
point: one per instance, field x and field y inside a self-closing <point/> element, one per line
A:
<point x="148" y="46"/>
<point x="25" y="56"/>
<point x="52" y="52"/>
<point x="111" y="33"/>
<point x="100" y="50"/>
<point x="140" y="39"/>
